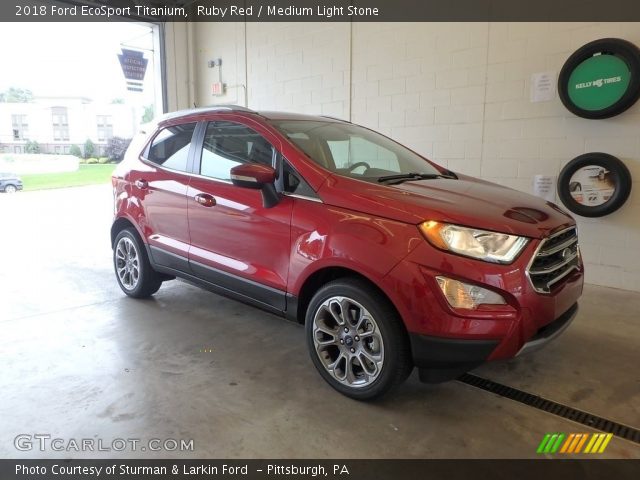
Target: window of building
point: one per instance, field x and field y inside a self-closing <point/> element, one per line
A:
<point x="170" y="148"/>
<point x="105" y="127"/>
<point x="227" y="144"/>
<point x="60" y="120"/>
<point x="20" y="127"/>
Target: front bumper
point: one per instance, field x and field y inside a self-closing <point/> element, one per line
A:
<point x="549" y="332"/>
<point x="441" y="359"/>
<point x="453" y="341"/>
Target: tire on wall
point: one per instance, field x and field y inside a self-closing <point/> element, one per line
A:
<point x="580" y="87"/>
<point x="594" y="184"/>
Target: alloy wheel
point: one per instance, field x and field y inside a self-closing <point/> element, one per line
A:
<point x="127" y="263"/>
<point x="348" y="342"/>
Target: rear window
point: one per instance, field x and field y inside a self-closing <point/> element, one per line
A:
<point x="170" y="147"/>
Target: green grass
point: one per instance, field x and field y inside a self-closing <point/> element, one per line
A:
<point x="85" y="175"/>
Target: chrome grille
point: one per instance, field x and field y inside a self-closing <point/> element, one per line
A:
<point x="556" y="257"/>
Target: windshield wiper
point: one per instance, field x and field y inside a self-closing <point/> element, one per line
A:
<point x="404" y="177"/>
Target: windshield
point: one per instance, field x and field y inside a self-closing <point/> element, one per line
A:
<point x="353" y="151"/>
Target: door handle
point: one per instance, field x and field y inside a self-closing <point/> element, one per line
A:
<point x="205" y="200"/>
<point x="142" y="184"/>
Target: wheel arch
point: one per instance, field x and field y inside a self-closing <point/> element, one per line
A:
<point x="120" y="224"/>
<point x="323" y="276"/>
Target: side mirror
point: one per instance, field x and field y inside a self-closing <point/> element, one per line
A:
<point x="258" y="177"/>
<point x="252" y="175"/>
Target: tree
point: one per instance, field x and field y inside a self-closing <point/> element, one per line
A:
<point x="149" y="113"/>
<point x="89" y="148"/>
<point x="116" y="148"/>
<point x="32" y="147"/>
<point x="75" y="151"/>
<point x="16" y="95"/>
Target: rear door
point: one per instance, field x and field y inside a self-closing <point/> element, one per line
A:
<point x="161" y="186"/>
<point x="237" y="243"/>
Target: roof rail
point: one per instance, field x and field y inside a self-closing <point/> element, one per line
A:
<point x="335" y="118"/>
<point x="210" y="108"/>
<point x="239" y="108"/>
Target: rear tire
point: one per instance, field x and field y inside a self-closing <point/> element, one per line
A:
<point x="133" y="270"/>
<point x="363" y="354"/>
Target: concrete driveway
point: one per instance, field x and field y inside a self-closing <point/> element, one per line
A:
<point x="80" y="360"/>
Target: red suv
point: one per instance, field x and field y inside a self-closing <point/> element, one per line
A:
<point x="389" y="260"/>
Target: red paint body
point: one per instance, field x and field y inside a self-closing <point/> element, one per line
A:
<point x="367" y="228"/>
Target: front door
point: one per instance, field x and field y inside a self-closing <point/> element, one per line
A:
<point x="237" y="243"/>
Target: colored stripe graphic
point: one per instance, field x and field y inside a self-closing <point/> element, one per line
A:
<point x="605" y="442"/>
<point x="593" y="439"/>
<point x="576" y="439"/>
<point x="556" y="445"/>
<point x="573" y="443"/>
<point x="596" y="446"/>
<point x="582" y="442"/>
<point x="550" y="443"/>
<point x="567" y="443"/>
<point x="543" y="443"/>
<point x="600" y="443"/>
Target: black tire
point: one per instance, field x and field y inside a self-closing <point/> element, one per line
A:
<point x="397" y="363"/>
<point x="10" y="188"/>
<point x="148" y="281"/>
<point x="627" y="52"/>
<point x="619" y="175"/>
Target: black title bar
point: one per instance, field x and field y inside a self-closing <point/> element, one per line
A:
<point x="320" y="10"/>
<point x="536" y="469"/>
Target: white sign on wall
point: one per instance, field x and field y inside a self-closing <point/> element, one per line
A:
<point x="544" y="186"/>
<point x="543" y="87"/>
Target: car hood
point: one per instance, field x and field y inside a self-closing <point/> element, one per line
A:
<point x="464" y="201"/>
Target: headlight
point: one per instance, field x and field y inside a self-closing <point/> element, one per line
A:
<point x="471" y="242"/>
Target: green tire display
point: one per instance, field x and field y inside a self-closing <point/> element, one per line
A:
<point x="601" y="79"/>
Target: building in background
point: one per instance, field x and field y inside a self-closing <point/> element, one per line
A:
<point x="57" y="123"/>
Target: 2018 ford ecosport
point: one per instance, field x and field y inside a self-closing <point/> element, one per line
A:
<point x="389" y="260"/>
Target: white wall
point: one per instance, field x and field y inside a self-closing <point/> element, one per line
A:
<point x="456" y="92"/>
<point x="177" y="66"/>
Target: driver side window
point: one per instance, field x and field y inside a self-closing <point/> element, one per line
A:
<point x="228" y="144"/>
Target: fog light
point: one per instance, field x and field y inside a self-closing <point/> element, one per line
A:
<point x="463" y="295"/>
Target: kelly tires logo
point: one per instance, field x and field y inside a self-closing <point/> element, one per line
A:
<point x="574" y="443"/>
<point x="598" y="83"/>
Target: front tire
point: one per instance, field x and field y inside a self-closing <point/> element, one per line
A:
<point x="356" y="339"/>
<point x="10" y="189"/>
<point x="133" y="270"/>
